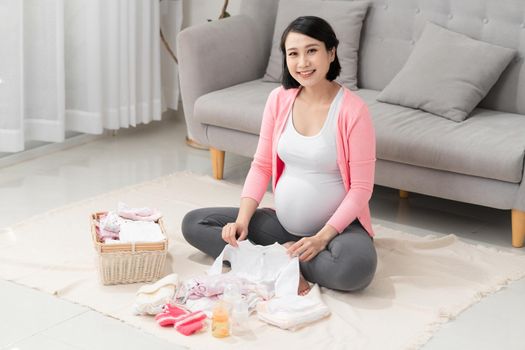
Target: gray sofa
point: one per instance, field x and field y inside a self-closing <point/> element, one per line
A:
<point x="479" y="160"/>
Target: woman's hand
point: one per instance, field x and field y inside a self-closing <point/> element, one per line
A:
<point x="234" y="231"/>
<point x="307" y="248"/>
<point x="238" y="230"/>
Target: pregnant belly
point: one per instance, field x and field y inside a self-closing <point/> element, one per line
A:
<point x="304" y="203"/>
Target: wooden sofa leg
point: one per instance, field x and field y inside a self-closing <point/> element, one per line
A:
<point x="518" y="228"/>
<point x="403" y="194"/>
<point x="195" y="144"/>
<point x="217" y="162"/>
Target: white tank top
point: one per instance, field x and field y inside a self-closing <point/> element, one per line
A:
<point x="310" y="188"/>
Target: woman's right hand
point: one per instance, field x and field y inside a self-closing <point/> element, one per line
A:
<point x="233" y="231"/>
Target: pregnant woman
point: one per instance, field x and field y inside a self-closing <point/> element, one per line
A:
<point x="317" y="144"/>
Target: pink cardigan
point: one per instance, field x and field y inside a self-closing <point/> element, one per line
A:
<point x="356" y="150"/>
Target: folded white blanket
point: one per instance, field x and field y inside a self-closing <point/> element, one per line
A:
<point x="293" y="311"/>
<point x="152" y="297"/>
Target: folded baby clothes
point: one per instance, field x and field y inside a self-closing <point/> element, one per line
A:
<point x="111" y="222"/>
<point x="152" y="297"/>
<point x="139" y="214"/>
<point x="108" y="226"/>
<point x="293" y="311"/>
<point x="140" y="231"/>
<point x="213" y="285"/>
<point x="202" y="292"/>
<point x="106" y="236"/>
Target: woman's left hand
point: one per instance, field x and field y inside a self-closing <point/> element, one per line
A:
<point x="307" y="248"/>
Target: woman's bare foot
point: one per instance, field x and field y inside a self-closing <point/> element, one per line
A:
<point x="304" y="286"/>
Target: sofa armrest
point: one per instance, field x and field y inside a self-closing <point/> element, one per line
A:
<point x="213" y="56"/>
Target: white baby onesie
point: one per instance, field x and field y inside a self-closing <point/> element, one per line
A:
<point x="269" y="265"/>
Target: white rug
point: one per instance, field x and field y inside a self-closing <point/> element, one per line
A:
<point x="420" y="283"/>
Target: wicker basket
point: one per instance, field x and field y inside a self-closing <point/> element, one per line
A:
<point x="129" y="262"/>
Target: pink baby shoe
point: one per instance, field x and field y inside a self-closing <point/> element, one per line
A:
<point x="170" y="315"/>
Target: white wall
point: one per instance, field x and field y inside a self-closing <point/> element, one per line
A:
<point x="199" y="11"/>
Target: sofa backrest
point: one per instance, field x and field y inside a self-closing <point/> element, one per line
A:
<point x="393" y="26"/>
<point x="263" y="13"/>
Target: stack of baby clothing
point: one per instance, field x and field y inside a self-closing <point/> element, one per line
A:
<point x="129" y="225"/>
<point x="265" y="278"/>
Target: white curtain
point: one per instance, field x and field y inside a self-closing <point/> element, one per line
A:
<point x="80" y="65"/>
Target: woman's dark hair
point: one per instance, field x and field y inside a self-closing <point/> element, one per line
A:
<point x="319" y="29"/>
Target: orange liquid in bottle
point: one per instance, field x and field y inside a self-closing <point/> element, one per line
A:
<point x="220" y="324"/>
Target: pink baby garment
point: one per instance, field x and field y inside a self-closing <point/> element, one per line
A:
<point x="138" y="214"/>
<point x="108" y="226"/>
<point x="213" y="285"/>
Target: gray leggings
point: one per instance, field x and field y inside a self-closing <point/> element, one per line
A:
<point x="348" y="263"/>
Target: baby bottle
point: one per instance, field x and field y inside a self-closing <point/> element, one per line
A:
<point x="220" y="320"/>
<point x="231" y="295"/>
<point x="240" y="317"/>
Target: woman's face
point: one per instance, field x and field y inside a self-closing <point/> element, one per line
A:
<point x="307" y="59"/>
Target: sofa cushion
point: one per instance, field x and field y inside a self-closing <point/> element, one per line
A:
<point x="345" y="17"/>
<point x="489" y="144"/>
<point x="392" y="28"/>
<point x="447" y="74"/>
<point x="239" y="107"/>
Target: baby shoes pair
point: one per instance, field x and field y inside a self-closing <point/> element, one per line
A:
<point x="183" y="321"/>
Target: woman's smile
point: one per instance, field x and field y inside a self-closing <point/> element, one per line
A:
<point x="306" y="73"/>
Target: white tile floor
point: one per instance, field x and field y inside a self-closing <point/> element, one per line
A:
<point x="34" y="320"/>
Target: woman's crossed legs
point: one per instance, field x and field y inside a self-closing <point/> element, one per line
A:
<point x="348" y="263"/>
